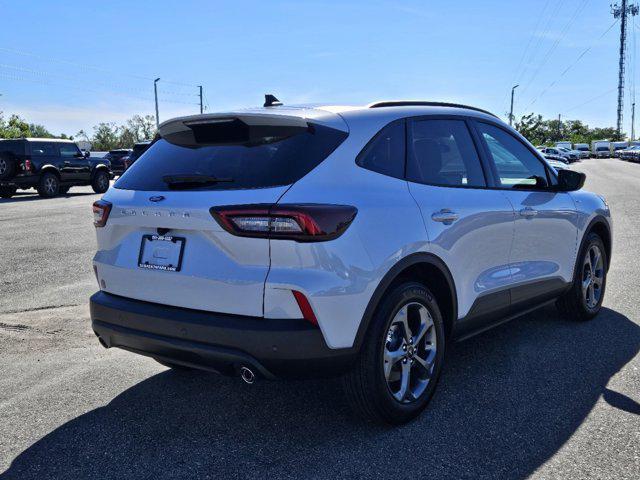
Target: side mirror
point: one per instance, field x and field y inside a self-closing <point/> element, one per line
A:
<point x="570" y="180"/>
<point x="87" y="154"/>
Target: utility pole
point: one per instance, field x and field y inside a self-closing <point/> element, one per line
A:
<point x="511" y="110"/>
<point x="621" y="11"/>
<point x="633" y="121"/>
<point x="200" y="87"/>
<point x="559" y="124"/>
<point x="155" y="92"/>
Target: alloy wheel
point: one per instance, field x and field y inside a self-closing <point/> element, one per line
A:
<point x="103" y="182"/>
<point x="410" y="352"/>
<point x="50" y="185"/>
<point x="592" y="277"/>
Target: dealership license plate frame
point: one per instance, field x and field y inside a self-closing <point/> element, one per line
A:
<point x="149" y="241"/>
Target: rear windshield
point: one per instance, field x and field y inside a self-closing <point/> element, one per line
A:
<point x="10" y="146"/>
<point x="258" y="165"/>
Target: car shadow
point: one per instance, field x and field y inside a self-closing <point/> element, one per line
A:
<point x="508" y="400"/>
<point x="21" y="197"/>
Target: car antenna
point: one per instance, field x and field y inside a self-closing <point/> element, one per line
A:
<point x="271" y="101"/>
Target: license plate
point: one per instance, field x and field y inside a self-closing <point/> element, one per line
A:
<point x="161" y="252"/>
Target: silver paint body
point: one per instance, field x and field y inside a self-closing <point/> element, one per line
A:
<point x="491" y="246"/>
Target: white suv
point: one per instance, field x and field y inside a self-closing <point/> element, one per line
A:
<point x="354" y="241"/>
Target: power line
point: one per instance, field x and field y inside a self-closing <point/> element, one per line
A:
<point x="42" y="81"/>
<point x="90" y="67"/>
<point x="557" y="41"/>
<point x="573" y="64"/>
<point x="591" y="100"/>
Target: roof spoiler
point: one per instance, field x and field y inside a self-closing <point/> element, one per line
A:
<point x="230" y="129"/>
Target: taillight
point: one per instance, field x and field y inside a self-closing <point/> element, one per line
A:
<point x="101" y="210"/>
<point x="302" y="223"/>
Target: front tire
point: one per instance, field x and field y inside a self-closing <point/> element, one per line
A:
<point x="49" y="185"/>
<point x="397" y="370"/>
<point x="100" y="182"/>
<point x="584" y="300"/>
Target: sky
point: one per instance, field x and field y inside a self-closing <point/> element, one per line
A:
<point x="70" y="65"/>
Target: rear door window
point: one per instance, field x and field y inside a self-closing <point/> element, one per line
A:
<point x="42" y="149"/>
<point x="386" y="152"/>
<point x="442" y="152"/>
<point x="12" y="146"/>
<point x="259" y="164"/>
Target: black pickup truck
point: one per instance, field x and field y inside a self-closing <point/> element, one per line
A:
<point x="51" y="166"/>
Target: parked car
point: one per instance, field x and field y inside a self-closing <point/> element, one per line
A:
<point x="631" y="153"/>
<point x="601" y="148"/>
<point x="566" y="145"/>
<point x="556" y="164"/>
<point x="583" y="148"/>
<point x="572" y="155"/>
<point x="52" y="166"/>
<point x="359" y="242"/>
<point x="554" y="153"/>
<point x="118" y="158"/>
<point x="138" y="149"/>
<point x="617" y="147"/>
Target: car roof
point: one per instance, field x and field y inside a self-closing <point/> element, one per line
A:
<point x="330" y="113"/>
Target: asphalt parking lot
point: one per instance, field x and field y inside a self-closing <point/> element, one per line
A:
<point x="538" y="397"/>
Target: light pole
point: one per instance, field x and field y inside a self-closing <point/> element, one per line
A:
<point x="155" y="92"/>
<point x="513" y="89"/>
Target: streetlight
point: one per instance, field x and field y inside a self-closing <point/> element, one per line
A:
<point x="155" y="92"/>
<point x="513" y="89"/>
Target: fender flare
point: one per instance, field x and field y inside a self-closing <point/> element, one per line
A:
<point x="48" y="168"/>
<point x="598" y="219"/>
<point x="97" y="168"/>
<point x="393" y="273"/>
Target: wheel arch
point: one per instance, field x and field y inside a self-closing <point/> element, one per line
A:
<point x="98" y="168"/>
<point x="50" y="169"/>
<point x="422" y="267"/>
<point x="600" y="226"/>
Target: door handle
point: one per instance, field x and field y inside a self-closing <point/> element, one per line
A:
<point x="66" y="162"/>
<point x="528" y="212"/>
<point x="445" y="216"/>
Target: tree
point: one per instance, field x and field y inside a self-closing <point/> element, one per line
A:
<point x="40" y="131"/>
<point x="546" y="132"/>
<point x="530" y="126"/>
<point x="105" y="137"/>
<point x="15" y="127"/>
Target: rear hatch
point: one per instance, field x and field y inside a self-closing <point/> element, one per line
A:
<point x="161" y="243"/>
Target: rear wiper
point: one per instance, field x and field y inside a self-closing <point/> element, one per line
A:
<point x="192" y="181"/>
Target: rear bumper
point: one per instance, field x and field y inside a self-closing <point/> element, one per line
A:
<point x="21" y="181"/>
<point x="213" y="341"/>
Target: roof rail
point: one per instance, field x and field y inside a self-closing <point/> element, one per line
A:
<point x="423" y="103"/>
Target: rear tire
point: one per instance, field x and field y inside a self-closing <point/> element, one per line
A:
<point x="100" y="182"/>
<point x="7" y="166"/>
<point x="376" y="387"/>
<point x="7" y="192"/>
<point x="584" y="300"/>
<point x="49" y="185"/>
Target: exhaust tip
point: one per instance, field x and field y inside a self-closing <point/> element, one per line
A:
<point x="247" y="375"/>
